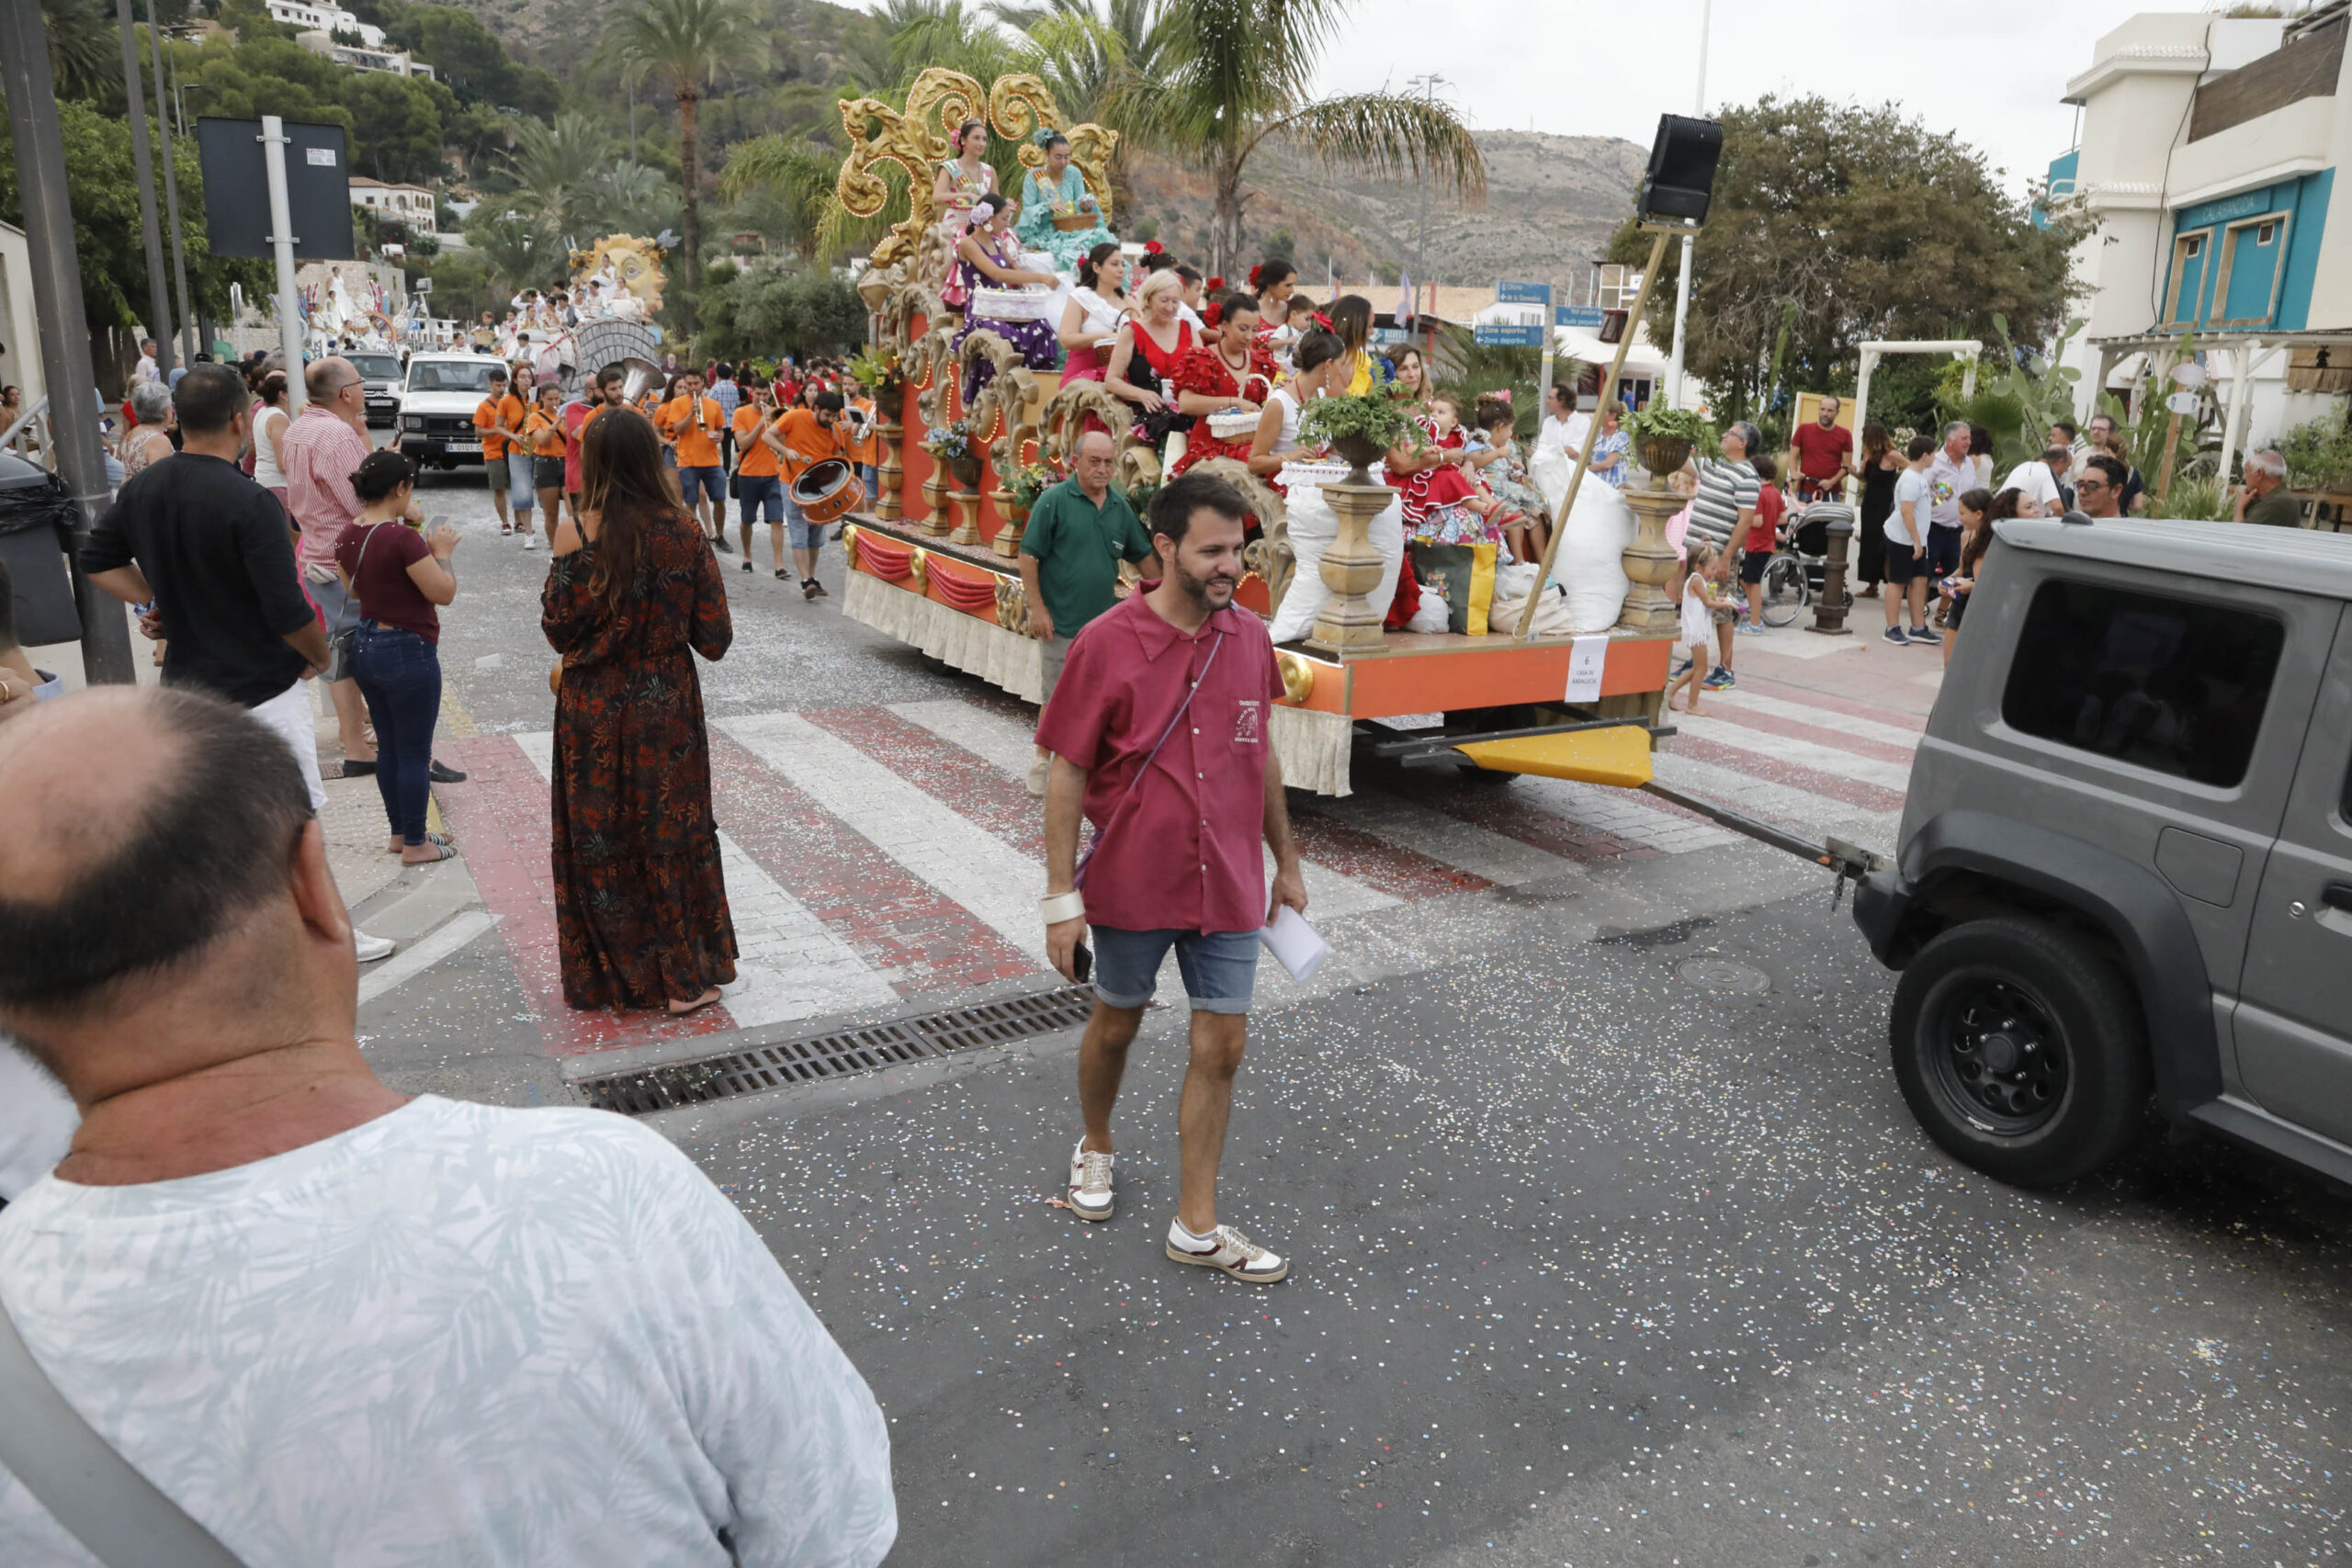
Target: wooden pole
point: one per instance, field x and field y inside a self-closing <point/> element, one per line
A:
<point x="1592" y="431"/>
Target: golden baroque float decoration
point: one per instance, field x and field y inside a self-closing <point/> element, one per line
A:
<point x="633" y="262"/>
<point x="915" y="138"/>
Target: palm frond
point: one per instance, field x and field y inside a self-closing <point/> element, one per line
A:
<point x="687" y="43"/>
<point x="1391" y="134"/>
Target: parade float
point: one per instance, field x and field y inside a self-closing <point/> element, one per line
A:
<point x="1525" y="686"/>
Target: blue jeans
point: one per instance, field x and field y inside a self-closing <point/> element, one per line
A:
<point x="758" y="494"/>
<point x="1219" y="967"/>
<point x="400" y="676"/>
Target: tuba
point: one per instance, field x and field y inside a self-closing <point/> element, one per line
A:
<point x="638" y="375"/>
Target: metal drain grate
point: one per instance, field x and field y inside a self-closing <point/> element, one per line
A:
<point x="840" y="1054"/>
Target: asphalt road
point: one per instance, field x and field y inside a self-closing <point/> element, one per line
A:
<point x="1612" y="1244"/>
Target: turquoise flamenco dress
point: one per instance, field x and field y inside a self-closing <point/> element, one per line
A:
<point x="1035" y="226"/>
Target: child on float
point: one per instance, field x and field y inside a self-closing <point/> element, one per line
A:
<point x="1443" y="504"/>
<point x="1494" y="454"/>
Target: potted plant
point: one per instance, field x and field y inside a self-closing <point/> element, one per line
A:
<point x="1663" y="437"/>
<point x="1029" y="482"/>
<point x="1360" y="429"/>
<point x="953" y="446"/>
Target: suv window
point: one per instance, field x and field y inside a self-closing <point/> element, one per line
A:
<point x="2170" y="684"/>
<point x="376" y="366"/>
<point x="452" y="375"/>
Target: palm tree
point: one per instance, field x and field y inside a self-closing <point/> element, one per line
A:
<point x="83" y="62"/>
<point x="797" y="172"/>
<point x="1240" y="71"/>
<point x="554" y="168"/>
<point x="685" y="44"/>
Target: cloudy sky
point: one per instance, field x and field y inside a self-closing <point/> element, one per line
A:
<point x="1992" y="71"/>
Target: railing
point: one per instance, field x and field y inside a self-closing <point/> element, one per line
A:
<point x="23" y="438"/>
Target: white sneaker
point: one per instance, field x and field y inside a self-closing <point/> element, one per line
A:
<point x="370" y="948"/>
<point x="1226" y="1250"/>
<point x="530" y="541"/>
<point x="1089" y="1183"/>
<point x="1039" y="768"/>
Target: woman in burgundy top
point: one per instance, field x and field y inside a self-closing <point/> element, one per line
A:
<point x="397" y="576"/>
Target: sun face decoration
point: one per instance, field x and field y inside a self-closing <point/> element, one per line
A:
<point x="633" y="262"/>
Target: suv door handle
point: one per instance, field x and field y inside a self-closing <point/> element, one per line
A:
<point x="2338" y="895"/>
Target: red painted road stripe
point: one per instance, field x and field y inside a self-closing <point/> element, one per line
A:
<point x="1814" y="697"/>
<point x="889" y="917"/>
<point x="1398" y="872"/>
<point x="1506" y="811"/>
<point x="1774" y="724"/>
<point x="499" y="818"/>
<point x="1869" y="797"/>
<point x="971" y="787"/>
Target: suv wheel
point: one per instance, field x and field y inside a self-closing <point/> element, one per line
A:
<point x="2018" y="1047"/>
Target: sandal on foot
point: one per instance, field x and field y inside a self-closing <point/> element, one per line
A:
<point x="446" y="852"/>
<point x="429" y="837"/>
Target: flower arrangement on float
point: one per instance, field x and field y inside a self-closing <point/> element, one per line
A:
<point x="1031" y="480"/>
<point x="875" y="368"/>
<point x="956" y="448"/>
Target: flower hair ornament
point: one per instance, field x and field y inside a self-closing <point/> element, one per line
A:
<point x="1257" y="274"/>
<point x="1501" y="394"/>
<point x="1152" y="248"/>
<point x="1211" y="317"/>
<point x="1216" y="286"/>
<point x="1043" y="136"/>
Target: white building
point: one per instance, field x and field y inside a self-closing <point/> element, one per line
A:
<point x="309" y="19"/>
<point x="360" y="57"/>
<point x="412" y="205"/>
<point x="2208" y="150"/>
<point x="318" y="24"/>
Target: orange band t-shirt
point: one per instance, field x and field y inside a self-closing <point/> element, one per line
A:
<point x="697" y="447"/>
<point x="486" y="414"/>
<point x="754" y="458"/>
<point x="799" y="432"/>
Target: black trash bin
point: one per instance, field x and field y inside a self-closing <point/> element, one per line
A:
<point x="36" y="530"/>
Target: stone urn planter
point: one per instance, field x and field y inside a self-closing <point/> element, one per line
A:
<point x="1361" y="453"/>
<point x="1661" y="456"/>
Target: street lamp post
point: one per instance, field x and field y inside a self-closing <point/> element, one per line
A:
<point x="1682" y="282"/>
<point x="171" y="188"/>
<point x="63" y="328"/>
<point x="159" y="299"/>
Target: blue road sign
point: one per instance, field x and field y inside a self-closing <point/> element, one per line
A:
<point x="1522" y="294"/>
<point x="1504" y="335"/>
<point x="1585" y="316"/>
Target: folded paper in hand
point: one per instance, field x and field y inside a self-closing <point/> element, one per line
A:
<point x="1294" y="943"/>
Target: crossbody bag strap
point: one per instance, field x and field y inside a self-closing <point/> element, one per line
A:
<point x="115" y="1512"/>
<point x="1078" y="877"/>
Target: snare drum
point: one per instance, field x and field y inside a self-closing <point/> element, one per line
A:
<point x="827" y="490"/>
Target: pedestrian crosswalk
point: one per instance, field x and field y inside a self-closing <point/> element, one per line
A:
<point x="876" y="851"/>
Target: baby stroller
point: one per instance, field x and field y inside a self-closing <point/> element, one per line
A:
<point x="1799" y="567"/>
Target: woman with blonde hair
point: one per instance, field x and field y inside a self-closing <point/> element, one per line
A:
<point x="1144" y="357"/>
<point x="632" y="595"/>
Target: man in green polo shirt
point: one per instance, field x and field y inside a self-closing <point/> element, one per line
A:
<point x="2265" y="497"/>
<point x="1078" y="532"/>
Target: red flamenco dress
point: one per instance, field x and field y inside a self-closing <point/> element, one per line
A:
<point x="1206" y="373"/>
<point x="1434" y="498"/>
<point x="1150" y="367"/>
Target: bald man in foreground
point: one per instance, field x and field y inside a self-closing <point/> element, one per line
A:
<point x="330" y="1322"/>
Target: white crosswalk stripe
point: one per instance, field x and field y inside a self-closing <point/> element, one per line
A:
<point x="1818" y="719"/>
<point x="1805" y="753"/>
<point x="789" y="963"/>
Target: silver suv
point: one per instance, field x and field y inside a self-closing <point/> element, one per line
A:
<point x="2126" y="864"/>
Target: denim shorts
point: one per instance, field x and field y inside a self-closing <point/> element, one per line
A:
<point x="706" y="479"/>
<point x="761" y="493"/>
<point x="1219" y="967"/>
<point x="519" y="476"/>
<point x="806" y="536"/>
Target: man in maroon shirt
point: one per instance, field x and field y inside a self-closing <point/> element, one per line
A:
<point x="1822" y="454"/>
<point x="1159" y="729"/>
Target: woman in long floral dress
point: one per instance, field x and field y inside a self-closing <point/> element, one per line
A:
<point x="640" y="903"/>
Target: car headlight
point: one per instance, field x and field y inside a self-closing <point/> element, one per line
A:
<point x="413" y="425"/>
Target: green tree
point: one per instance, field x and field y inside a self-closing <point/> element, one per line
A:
<point x="1240" y="72"/>
<point x="798" y="175"/>
<point x="769" y="307"/>
<point x="1872" y="226"/>
<point x="554" y="167"/>
<point x="516" y="252"/>
<point x="684" y="45"/>
<point x="104" y="202"/>
<point x="85" y="51"/>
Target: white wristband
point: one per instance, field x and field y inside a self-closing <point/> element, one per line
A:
<point x="1059" y="906"/>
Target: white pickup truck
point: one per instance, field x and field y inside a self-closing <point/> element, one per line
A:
<point x="437" y="405"/>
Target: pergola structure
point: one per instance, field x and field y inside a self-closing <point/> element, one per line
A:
<point x="2246" y="354"/>
<point x="1871" y="354"/>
